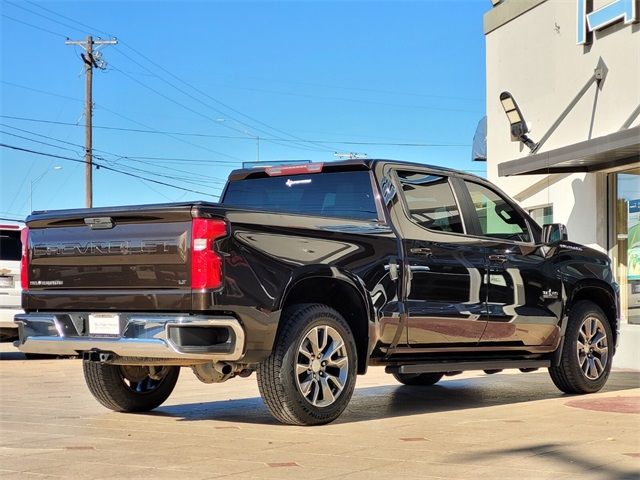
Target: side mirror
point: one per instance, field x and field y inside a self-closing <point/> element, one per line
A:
<point x="554" y="232"/>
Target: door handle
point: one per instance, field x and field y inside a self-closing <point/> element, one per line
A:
<point x="419" y="268"/>
<point x="421" y="251"/>
<point x="498" y="258"/>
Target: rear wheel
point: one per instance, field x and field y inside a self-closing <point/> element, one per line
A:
<point x="586" y="355"/>
<point x="128" y="388"/>
<point x="310" y="376"/>
<point x="418" y="378"/>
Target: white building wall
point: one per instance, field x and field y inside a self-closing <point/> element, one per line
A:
<point x="535" y="57"/>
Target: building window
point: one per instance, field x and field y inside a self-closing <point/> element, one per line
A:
<point x="542" y="215"/>
<point x="626" y="241"/>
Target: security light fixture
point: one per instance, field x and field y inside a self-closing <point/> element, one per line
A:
<point x="519" y="128"/>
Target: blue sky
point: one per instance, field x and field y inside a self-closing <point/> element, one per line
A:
<point x="300" y="76"/>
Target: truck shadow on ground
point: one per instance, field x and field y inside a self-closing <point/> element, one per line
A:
<point x="369" y="403"/>
<point x="554" y="454"/>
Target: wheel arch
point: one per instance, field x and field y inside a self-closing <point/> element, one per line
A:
<point x="344" y="294"/>
<point x="603" y="295"/>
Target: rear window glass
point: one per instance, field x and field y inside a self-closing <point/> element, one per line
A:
<point x="10" y="246"/>
<point x="335" y="194"/>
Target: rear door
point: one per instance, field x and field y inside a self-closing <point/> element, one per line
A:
<point x="524" y="288"/>
<point x="445" y="298"/>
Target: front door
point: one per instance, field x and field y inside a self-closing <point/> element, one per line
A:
<point x="445" y="296"/>
<point x="524" y="300"/>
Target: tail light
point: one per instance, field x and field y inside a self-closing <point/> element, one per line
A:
<point x="206" y="264"/>
<point x="24" y="261"/>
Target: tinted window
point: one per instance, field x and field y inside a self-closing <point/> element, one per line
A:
<point x="431" y="202"/>
<point x="335" y="194"/>
<point x="498" y="219"/>
<point x="10" y="246"/>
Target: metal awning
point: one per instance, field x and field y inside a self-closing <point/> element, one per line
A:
<point x="602" y="153"/>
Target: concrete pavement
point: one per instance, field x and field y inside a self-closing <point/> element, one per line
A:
<point x="508" y="426"/>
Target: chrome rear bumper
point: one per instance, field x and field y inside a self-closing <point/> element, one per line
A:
<point x="142" y="335"/>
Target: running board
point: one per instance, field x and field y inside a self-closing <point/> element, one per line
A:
<point x="464" y="366"/>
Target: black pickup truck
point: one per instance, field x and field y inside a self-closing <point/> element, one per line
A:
<point x="307" y="275"/>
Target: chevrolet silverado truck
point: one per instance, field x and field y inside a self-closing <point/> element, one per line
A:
<point x="309" y="274"/>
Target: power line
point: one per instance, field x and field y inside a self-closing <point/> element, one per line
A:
<point x="205" y="178"/>
<point x="90" y="29"/>
<point x="44" y="92"/>
<point x="176" y="102"/>
<point x="42" y="16"/>
<point x="228" y="107"/>
<point x="45" y="154"/>
<point x="37" y="141"/>
<point x="177" y="78"/>
<point x="41" y="135"/>
<point x="276" y="140"/>
<point x="296" y="140"/>
<point x="127" y="56"/>
<point x="118" y="156"/>
<point x="190" y="180"/>
<point x="34" y="26"/>
<point x="290" y="81"/>
<point x="340" y="99"/>
<point x="207" y="135"/>
<point x="113" y="112"/>
<point x="167" y="134"/>
<point x="185" y="160"/>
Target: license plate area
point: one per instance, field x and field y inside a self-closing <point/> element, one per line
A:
<point x="104" y="324"/>
<point x="6" y="281"/>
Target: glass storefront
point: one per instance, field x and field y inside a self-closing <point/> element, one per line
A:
<point x="625" y="240"/>
<point x="542" y="215"/>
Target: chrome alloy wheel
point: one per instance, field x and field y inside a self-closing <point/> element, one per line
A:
<point x="322" y="366"/>
<point x="592" y="348"/>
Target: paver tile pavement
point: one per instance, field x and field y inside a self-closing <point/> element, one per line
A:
<point x="507" y="426"/>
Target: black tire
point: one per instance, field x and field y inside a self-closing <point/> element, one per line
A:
<point x="418" y="378"/>
<point x="569" y="375"/>
<point x="112" y="386"/>
<point x="280" y="385"/>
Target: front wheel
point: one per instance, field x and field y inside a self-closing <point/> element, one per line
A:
<point x="586" y="355"/>
<point x="309" y="377"/>
<point x="128" y="388"/>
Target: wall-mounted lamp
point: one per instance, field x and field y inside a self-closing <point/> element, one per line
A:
<point x="519" y="128"/>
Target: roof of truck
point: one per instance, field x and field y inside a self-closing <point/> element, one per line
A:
<point x="354" y="164"/>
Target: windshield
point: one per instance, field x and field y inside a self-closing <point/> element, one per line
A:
<point x="335" y="194"/>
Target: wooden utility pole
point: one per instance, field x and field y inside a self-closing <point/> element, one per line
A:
<point x="90" y="62"/>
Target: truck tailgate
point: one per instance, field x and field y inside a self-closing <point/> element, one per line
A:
<point x="123" y="257"/>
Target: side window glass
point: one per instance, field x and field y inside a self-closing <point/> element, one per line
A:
<point x="498" y="219"/>
<point x="431" y="202"/>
